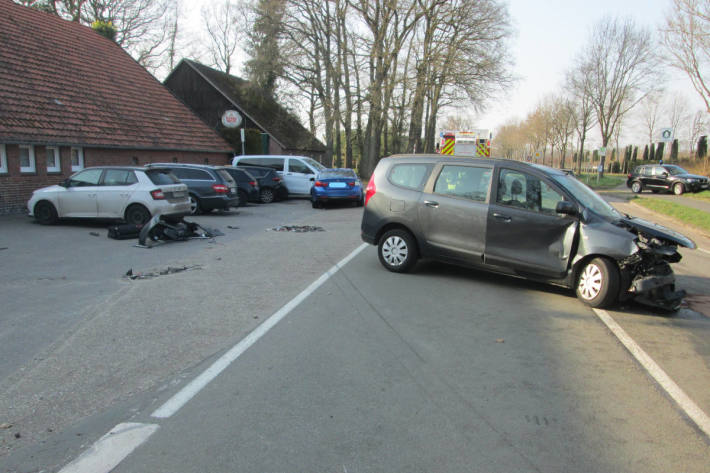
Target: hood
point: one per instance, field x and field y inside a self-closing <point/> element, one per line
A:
<point x="690" y="176"/>
<point x="54" y="188"/>
<point x="658" y="231"/>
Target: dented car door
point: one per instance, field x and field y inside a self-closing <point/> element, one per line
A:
<point x="524" y="231"/>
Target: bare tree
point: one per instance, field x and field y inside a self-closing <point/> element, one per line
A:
<point x="675" y="112"/>
<point x="562" y="125"/>
<point x="223" y="21"/>
<point x="620" y="56"/>
<point x="698" y="127"/>
<point x="584" y="119"/>
<point x="650" y="110"/>
<point x="686" y="35"/>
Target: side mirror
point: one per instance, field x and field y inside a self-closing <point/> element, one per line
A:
<point x="65" y="183"/>
<point x="566" y="208"/>
<point x="313" y="178"/>
<point x="664" y="175"/>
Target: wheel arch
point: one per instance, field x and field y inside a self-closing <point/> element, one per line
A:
<point x="42" y="201"/>
<point x="398" y="226"/>
<point x="135" y="204"/>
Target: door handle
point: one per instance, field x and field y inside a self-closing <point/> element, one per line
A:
<point x="505" y="218"/>
<point x="431" y="203"/>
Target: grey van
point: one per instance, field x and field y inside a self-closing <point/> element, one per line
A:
<point x="524" y="220"/>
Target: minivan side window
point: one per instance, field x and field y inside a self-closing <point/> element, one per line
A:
<point x="411" y="176"/>
<point x="275" y="163"/>
<point x="297" y="166"/>
<point x="464" y="181"/>
<point x="522" y="190"/>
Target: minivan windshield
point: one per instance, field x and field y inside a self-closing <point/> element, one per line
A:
<point x="586" y="196"/>
<point x="314" y="163"/>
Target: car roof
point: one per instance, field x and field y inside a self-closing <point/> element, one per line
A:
<point x="125" y="168"/>
<point x="183" y="165"/>
<point x="438" y="158"/>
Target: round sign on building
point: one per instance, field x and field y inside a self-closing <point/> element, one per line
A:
<point x="231" y="119"/>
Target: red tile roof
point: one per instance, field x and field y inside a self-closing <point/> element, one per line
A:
<point x="62" y="83"/>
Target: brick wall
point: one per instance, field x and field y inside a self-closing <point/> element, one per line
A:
<point x="16" y="187"/>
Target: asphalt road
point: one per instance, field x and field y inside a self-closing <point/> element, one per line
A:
<point x="444" y="369"/>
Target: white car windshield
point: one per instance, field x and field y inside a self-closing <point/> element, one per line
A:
<point x="314" y="164"/>
<point x="586" y="196"/>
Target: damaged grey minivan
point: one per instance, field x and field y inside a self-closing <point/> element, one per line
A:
<point x="520" y="219"/>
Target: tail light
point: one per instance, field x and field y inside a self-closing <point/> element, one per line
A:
<point x="628" y="175"/>
<point x="371" y="188"/>
<point x="351" y="183"/>
<point x="157" y="194"/>
<point x="276" y="179"/>
<point x="252" y="183"/>
<point x="220" y="188"/>
<point x="320" y="184"/>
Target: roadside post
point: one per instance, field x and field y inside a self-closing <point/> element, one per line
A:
<point x="600" y="169"/>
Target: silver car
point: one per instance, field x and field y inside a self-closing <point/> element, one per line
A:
<point x="133" y="194"/>
<point x="526" y="220"/>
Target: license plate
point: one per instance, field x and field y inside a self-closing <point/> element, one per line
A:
<point x="337" y="185"/>
<point x="178" y="194"/>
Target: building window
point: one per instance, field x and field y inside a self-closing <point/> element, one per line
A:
<point x="207" y="160"/>
<point x="3" y="159"/>
<point x="135" y="160"/>
<point x="175" y="160"/>
<point x="53" y="161"/>
<point x="77" y="159"/>
<point x="27" y="159"/>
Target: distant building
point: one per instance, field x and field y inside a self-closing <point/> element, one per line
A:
<point x="71" y="98"/>
<point x="209" y="93"/>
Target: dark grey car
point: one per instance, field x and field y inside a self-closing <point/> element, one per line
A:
<point x="210" y="187"/>
<point x="520" y="219"/>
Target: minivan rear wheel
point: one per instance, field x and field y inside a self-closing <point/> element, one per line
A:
<point x="397" y="251"/>
<point x="598" y="283"/>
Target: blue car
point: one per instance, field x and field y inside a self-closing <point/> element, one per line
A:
<point x="336" y="185"/>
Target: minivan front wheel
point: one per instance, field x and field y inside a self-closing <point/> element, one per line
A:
<point x="598" y="283"/>
<point x="397" y="251"/>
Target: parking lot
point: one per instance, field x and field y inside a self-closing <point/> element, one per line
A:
<point x="453" y="352"/>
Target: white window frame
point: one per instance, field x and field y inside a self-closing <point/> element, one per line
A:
<point x="80" y="152"/>
<point x="3" y="159"/>
<point x="57" y="159"/>
<point x="32" y="168"/>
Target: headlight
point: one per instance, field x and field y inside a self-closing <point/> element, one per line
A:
<point x="691" y="181"/>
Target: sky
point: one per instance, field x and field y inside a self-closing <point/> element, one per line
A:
<point x="549" y="33"/>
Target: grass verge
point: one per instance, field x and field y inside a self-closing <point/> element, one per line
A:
<point x="693" y="217"/>
<point x="704" y="195"/>
<point x="609" y="181"/>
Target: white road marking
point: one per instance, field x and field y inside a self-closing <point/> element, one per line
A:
<point x="704" y="251"/>
<point x="111" y="449"/>
<point x="196" y="385"/>
<point x="688" y="406"/>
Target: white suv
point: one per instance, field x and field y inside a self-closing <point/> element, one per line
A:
<point x="133" y="194"/>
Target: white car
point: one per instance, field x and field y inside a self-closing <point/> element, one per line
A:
<point x="133" y="194"/>
<point x="298" y="172"/>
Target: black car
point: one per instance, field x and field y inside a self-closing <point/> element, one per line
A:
<point x="271" y="185"/>
<point x="665" y="177"/>
<point x="210" y="187"/>
<point x="525" y="220"/>
<point x="247" y="183"/>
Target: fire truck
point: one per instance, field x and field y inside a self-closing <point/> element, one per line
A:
<point x="473" y="143"/>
